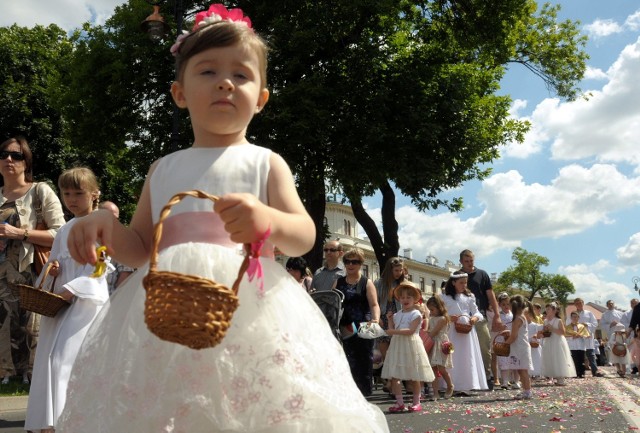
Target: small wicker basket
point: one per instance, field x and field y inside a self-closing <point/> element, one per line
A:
<point x="619" y="349"/>
<point x="187" y="309"/>
<point x="534" y="344"/>
<point x="500" y="348"/>
<point x="462" y="328"/>
<point x="41" y="301"/>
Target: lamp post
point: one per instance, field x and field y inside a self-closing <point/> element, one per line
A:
<point x="156" y="28"/>
<point x="635" y="281"/>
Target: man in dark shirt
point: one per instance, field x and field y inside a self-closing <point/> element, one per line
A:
<point x="480" y="285"/>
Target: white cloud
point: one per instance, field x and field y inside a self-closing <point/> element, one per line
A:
<point x="590" y="284"/>
<point x="601" y="28"/>
<point x="517" y="210"/>
<point x="629" y="254"/>
<point x="605" y="126"/>
<point x="532" y="143"/>
<point x="633" y="21"/>
<point x="595" y="74"/>
<point x="68" y="14"/>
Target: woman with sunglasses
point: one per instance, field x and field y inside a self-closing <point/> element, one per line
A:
<point x="360" y="305"/>
<point x="17" y="237"/>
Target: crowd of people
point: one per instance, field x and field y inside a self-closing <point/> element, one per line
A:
<point x="542" y="344"/>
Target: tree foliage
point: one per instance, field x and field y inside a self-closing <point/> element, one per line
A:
<point x="34" y="63"/>
<point x="527" y="275"/>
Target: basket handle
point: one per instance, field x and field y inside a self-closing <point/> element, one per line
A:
<point x="503" y="333"/>
<point x="164" y="213"/>
<point x="44" y="277"/>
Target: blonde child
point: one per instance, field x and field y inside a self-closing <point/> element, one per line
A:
<point x="520" y="351"/>
<point x="619" y="338"/>
<point x="556" y="356"/>
<point x="406" y="357"/>
<point x="438" y="329"/>
<point x="62" y="335"/>
<point x="534" y="327"/>
<point x="507" y="376"/>
<point x="267" y="373"/>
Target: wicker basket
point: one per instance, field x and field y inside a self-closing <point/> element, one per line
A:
<point x="186" y="309"/>
<point x="41" y="301"/>
<point x="619" y="349"/>
<point x="463" y="328"/>
<point x="500" y="348"/>
<point x="534" y="344"/>
<point x="546" y="334"/>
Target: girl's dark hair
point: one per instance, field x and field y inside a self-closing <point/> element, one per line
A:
<point x="26" y="151"/>
<point x="450" y="289"/>
<point x="387" y="282"/>
<point x="297" y="264"/>
<point x="221" y="34"/>
<point x="437" y="303"/>
<point x="555" y="307"/>
<point x="518" y="304"/>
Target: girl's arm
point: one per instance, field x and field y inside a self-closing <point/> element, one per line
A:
<point x="515" y="326"/>
<point x="247" y="219"/>
<point x="127" y="245"/>
<point x="560" y="329"/>
<point x="407" y="331"/>
<point x="437" y="327"/>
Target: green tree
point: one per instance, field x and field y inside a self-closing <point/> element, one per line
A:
<point x="527" y="275"/>
<point x="33" y="63"/>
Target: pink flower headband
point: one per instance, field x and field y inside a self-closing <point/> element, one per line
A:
<point x="217" y="12"/>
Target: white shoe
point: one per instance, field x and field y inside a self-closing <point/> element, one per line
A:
<point x="5" y="381"/>
<point x="25" y="380"/>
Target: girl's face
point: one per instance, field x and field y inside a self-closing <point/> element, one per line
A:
<point x="397" y="272"/>
<point x="407" y="300"/>
<point x="295" y="273"/>
<point x="433" y="310"/>
<point x="551" y="312"/>
<point x="460" y="284"/>
<point x="505" y="305"/>
<point x="222" y="89"/>
<point x="574" y="318"/>
<point x="78" y="201"/>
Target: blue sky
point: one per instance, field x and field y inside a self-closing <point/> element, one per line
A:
<point x="571" y="192"/>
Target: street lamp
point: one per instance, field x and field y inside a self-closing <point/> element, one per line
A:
<point x="635" y="281"/>
<point x="155" y="27"/>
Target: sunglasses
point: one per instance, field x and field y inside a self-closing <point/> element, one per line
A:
<point x="16" y="156"/>
<point x="352" y="262"/>
<point x="333" y="250"/>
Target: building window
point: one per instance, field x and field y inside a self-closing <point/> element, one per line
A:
<point x="422" y="284"/>
<point x="349" y="228"/>
<point x="365" y="271"/>
<point x="410" y="277"/>
<point x="433" y="286"/>
<point x="344" y="229"/>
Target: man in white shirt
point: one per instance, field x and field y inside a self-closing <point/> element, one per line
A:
<point x="610" y="318"/>
<point x="588" y="319"/>
<point x="626" y="317"/>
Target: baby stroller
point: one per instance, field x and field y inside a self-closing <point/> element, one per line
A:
<point x="330" y="303"/>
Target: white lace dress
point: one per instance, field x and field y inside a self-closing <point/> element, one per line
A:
<point x="556" y="356"/>
<point x="279" y="368"/>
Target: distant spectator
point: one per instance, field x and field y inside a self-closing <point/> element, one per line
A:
<point x="297" y="268"/>
<point x="326" y="276"/>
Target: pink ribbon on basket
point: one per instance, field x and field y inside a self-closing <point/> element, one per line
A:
<point x="255" y="267"/>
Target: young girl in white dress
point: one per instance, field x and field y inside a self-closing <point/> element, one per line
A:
<point x="62" y="335"/>
<point x="438" y="329"/>
<point x="507" y="376"/>
<point x="519" y="349"/>
<point x="279" y="368"/>
<point x="468" y="370"/>
<point x="534" y="327"/>
<point x="406" y="358"/>
<point x="556" y="356"/>
<point x="619" y="337"/>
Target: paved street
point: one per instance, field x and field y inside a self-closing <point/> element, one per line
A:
<point x="608" y="405"/>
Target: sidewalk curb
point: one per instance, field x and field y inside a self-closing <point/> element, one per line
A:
<point x="13" y="404"/>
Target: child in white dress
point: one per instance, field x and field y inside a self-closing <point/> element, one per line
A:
<point x="62" y="335"/>
<point x="618" y="339"/>
<point x="519" y="349"/>
<point x="507" y="376"/>
<point x="556" y="356"/>
<point x="406" y="358"/>
<point x="534" y="327"/>
<point x="440" y="361"/>
<point x="279" y="368"/>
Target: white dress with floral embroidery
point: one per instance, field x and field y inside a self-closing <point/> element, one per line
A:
<point x="279" y="368"/>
